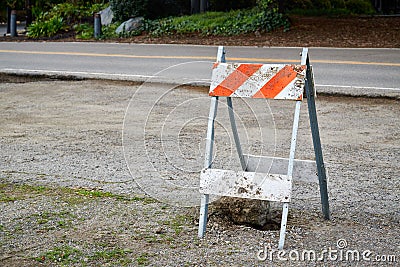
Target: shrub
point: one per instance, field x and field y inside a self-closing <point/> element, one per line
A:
<point x="226" y="5"/>
<point x="165" y="8"/>
<point x="299" y="4"/>
<point x="322" y="4"/>
<point x="62" y="17"/>
<point x="46" y="28"/>
<point x="84" y="31"/>
<point x="126" y="9"/>
<point x="338" y="4"/>
<point x="221" y="23"/>
<point x="360" y="6"/>
<point x="151" y="9"/>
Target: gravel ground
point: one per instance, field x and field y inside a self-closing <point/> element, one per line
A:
<point x="68" y="198"/>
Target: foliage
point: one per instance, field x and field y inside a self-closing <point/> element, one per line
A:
<point x="360" y="6"/>
<point x="166" y="8"/>
<point x="329" y="7"/>
<point x="126" y="9"/>
<point x="227" y="5"/>
<point x="15" y="4"/>
<point x="46" y="5"/>
<point x="322" y="4"/>
<point x="64" y="17"/>
<point x="109" y="31"/>
<point x="221" y="23"/>
<point x="84" y="31"/>
<point x="151" y="9"/>
<point x="46" y="28"/>
<point x="338" y="4"/>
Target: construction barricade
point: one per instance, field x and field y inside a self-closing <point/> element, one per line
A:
<point x="264" y="178"/>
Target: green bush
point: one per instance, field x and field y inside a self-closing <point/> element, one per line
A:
<point x="165" y="8"/>
<point x="299" y="4"/>
<point x="84" y="31"/>
<point x="62" y="17"/>
<point x="360" y="6"/>
<point x="46" y="28"/>
<point x="221" y="23"/>
<point x="226" y="5"/>
<point x="126" y="9"/>
<point x="338" y="4"/>
<point x="322" y="4"/>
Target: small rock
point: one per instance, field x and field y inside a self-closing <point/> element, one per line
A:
<point x="130" y="25"/>
<point x="159" y="231"/>
<point x="106" y="16"/>
<point x="245" y="211"/>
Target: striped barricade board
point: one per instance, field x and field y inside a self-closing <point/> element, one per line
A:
<point x="274" y="81"/>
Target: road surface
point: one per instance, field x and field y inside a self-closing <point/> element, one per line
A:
<point x="372" y="70"/>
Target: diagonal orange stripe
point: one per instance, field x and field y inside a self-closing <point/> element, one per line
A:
<point x="277" y="83"/>
<point x="235" y="79"/>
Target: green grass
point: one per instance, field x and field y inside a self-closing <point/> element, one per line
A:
<point x="68" y="255"/>
<point x="116" y="254"/>
<point x="177" y="224"/>
<point x="10" y="192"/>
<point x="142" y="259"/>
<point x="64" y="255"/>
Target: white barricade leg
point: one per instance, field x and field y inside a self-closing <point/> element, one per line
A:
<point x="207" y="164"/>
<point x="203" y="215"/>
<point x="290" y="172"/>
<point x="282" y="234"/>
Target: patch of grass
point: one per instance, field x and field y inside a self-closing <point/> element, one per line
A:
<point x="94" y="193"/>
<point x="13" y="192"/>
<point x="145" y="200"/>
<point x="142" y="259"/>
<point x="10" y="192"/>
<point x="177" y="224"/>
<point x="102" y="194"/>
<point x="65" y="255"/>
<point x="119" y="255"/>
<point x="53" y="220"/>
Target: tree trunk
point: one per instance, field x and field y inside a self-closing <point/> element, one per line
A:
<point x="8" y="20"/>
<point x="281" y="6"/>
<point x="194" y="6"/>
<point x="28" y="8"/>
<point x="203" y="6"/>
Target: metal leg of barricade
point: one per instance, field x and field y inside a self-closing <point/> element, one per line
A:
<point x="290" y="172"/>
<point x="209" y="151"/>
<point x="312" y="112"/>
<point x="235" y="133"/>
<point x="207" y="164"/>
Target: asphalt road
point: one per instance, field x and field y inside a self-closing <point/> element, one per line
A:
<point x="337" y="70"/>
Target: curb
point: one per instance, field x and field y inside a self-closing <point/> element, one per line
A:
<point x="349" y="91"/>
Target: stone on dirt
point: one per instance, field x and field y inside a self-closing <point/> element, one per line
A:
<point x="130" y="25"/>
<point x="252" y="212"/>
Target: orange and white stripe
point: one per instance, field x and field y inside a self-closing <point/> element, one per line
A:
<point x="273" y="81"/>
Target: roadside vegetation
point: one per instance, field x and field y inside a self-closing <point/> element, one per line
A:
<point x="74" y="18"/>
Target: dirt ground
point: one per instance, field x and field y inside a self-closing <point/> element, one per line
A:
<point x="67" y="197"/>
<point x="366" y="31"/>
